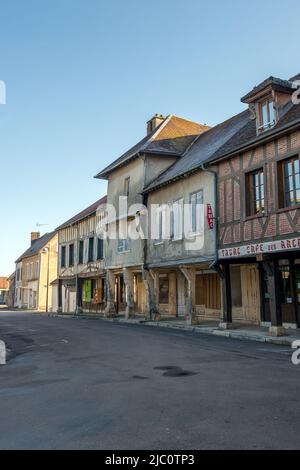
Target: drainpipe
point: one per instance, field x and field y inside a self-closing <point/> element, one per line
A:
<point x="216" y="218"/>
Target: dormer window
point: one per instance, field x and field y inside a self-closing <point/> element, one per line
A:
<point x="266" y="115"/>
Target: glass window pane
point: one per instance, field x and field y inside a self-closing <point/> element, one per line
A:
<point x="271" y="111"/>
<point x="264" y="112"/>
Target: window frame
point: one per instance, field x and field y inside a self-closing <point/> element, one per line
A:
<point x="80" y="252"/>
<point x="251" y="200"/>
<point x="71" y="255"/>
<point x="126" y="186"/>
<point x="63" y="252"/>
<point x="100" y="249"/>
<point x="263" y="126"/>
<point x="195" y="224"/>
<point x="91" y="249"/>
<point x="282" y="186"/>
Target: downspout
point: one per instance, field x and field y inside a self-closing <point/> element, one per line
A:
<point x="214" y="264"/>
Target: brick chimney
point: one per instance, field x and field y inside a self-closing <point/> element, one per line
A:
<point x="34" y="236"/>
<point x="154" y="122"/>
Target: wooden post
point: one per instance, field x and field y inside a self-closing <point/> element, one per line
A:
<point x="190" y="277"/>
<point x="110" y="309"/>
<point x="226" y="298"/>
<point x="155" y="278"/>
<point x="271" y="268"/>
<point x="128" y="280"/>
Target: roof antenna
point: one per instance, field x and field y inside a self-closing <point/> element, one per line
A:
<point x="41" y="225"/>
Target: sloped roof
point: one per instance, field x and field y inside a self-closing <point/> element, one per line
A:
<point x="92" y="209"/>
<point x="202" y="149"/>
<point x="171" y="137"/>
<point x="37" y="245"/>
<point x="4" y="283"/>
<point x="274" y="81"/>
<point x="224" y="139"/>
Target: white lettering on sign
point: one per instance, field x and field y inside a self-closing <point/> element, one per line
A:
<point x="258" y="248"/>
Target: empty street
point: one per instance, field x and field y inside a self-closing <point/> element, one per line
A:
<point x="82" y="384"/>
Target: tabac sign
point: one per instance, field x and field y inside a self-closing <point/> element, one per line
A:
<point x="260" y="248"/>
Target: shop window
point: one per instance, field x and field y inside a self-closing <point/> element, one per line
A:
<point x="163" y="290"/>
<point x="236" y="286"/>
<point x="285" y="285"/>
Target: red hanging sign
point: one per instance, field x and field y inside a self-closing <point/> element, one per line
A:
<point x="210" y="216"/>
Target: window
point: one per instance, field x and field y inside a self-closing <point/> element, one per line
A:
<point x="100" y="248"/>
<point x="63" y="257"/>
<point x="71" y="254"/>
<point x="80" y="251"/>
<point x="163" y="289"/>
<point x="255" y="194"/>
<point x="266" y="115"/>
<point x="162" y="222"/>
<point x="126" y="186"/>
<point x="123" y="245"/>
<point x="289" y="182"/>
<point x="176" y="220"/>
<point x="91" y="250"/>
<point x="196" y="201"/>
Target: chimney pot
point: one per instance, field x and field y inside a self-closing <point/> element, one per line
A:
<point x="34" y="236"/>
<point x="154" y="122"/>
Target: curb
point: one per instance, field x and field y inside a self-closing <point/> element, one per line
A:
<point x="235" y="334"/>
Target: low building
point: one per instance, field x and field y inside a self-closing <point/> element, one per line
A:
<point x="81" y="275"/>
<point x="11" y="290"/>
<point x="4" y="288"/>
<point x="36" y="269"/>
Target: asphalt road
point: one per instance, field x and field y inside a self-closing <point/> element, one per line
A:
<point x="89" y="384"/>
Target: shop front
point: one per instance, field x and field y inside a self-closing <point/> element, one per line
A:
<point x="262" y="282"/>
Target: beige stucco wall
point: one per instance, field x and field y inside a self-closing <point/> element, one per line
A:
<point x="170" y="250"/>
<point x="52" y="245"/>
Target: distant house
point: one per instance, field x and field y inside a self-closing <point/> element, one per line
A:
<point x="36" y="269"/>
<point x="3" y="290"/>
<point x="11" y="290"/>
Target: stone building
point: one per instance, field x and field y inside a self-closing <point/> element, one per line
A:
<point x="129" y="285"/>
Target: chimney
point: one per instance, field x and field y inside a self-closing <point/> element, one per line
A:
<point x="154" y="122"/>
<point x="34" y="236"/>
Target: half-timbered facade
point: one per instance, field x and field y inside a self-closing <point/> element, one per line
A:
<point x="81" y="276"/>
<point x="259" y="216"/>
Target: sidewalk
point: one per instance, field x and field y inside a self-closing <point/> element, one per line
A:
<point x="240" y="331"/>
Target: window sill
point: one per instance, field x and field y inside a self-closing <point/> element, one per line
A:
<point x="158" y="243"/>
<point x="122" y="252"/>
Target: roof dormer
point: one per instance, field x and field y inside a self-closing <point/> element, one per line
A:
<point x="267" y="102"/>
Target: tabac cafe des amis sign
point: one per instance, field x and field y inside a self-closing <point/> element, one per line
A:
<point x="260" y="248"/>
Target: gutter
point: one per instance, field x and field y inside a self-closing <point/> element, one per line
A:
<point x="216" y="218"/>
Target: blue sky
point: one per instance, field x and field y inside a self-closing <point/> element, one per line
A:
<point x="84" y="76"/>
